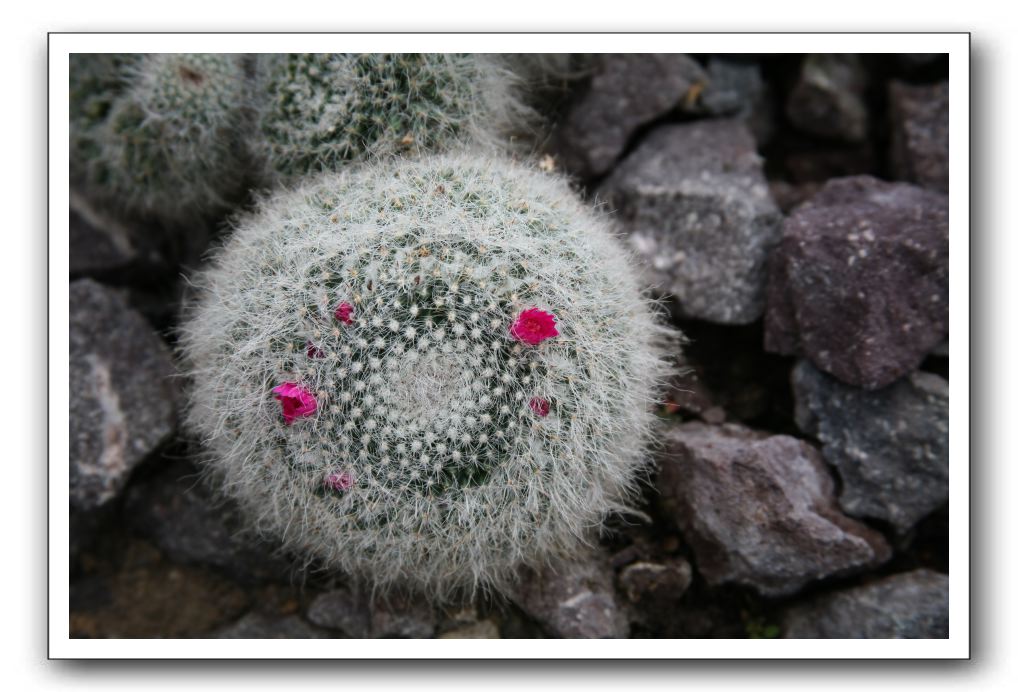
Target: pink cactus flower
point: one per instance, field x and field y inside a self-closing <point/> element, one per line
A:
<point x="313" y="351"/>
<point x="540" y="406"/>
<point x="338" y="480"/>
<point x="534" y="326"/>
<point x="297" y="401"/>
<point x="343" y="313"/>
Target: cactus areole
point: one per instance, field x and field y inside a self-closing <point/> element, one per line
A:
<point x="425" y="373"/>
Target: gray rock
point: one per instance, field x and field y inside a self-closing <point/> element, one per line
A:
<point x="627" y="90"/>
<point x="190" y="525"/>
<point x="403" y="616"/>
<point x="122" y="400"/>
<point x="696" y="208"/>
<point x="919" y="134"/>
<point x="342" y="609"/>
<point x="759" y="510"/>
<point x="859" y="282"/>
<point x="256" y="625"/>
<point x="353" y="611"/>
<point x="573" y="599"/>
<point x="889" y="445"/>
<point x="913" y="605"/>
<point x="827" y="100"/>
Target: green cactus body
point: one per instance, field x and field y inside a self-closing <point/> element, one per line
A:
<point x="316" y="112"/>
<point x="158" y="134"/>
<point x="368" y="389"/>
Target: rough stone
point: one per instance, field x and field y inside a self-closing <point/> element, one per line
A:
<point x="759" y="510"/>
<point x="626" y="91"/>
<point x="403" y="616"/>
<point x="919" y="134"/>
<point x="575" y="600"/>
<point x="652" y="590"/>
<point x="828" y="98"/>
<point x="191" y="526"/>
<point x="353" y="611"/>
<point x="484" y="629"/>
<point x="257" y="625"/>
<point x="342" y="609"/>
<point x="696" y="208"/>
<point x="735" y="87"/>
<point x="143" y="596"/>
<point x="889" y="445"/>
<point x="913" y="605"/>
<point x="859" y="282"/>
<point x="122" y="398"/>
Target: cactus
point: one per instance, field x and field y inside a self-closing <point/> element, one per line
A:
<point x="425" y="373"/>
<point x="158" y="134"/>
<point x="317" y="112"/>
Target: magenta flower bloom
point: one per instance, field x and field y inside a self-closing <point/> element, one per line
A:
<point x="338" y="480"/>
<point x="297" y="402"/>
<point x="534" y="326"/>
<point x="343" y="313"/>
<point x="540" y="406"/>
<point x="314" y="351"/>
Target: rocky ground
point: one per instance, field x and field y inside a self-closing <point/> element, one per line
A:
<point x="790" y="209"/>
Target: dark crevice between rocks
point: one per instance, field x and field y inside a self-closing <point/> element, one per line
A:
<point x="751" y="386"/>
<point x="937" y="364"/>
<point x="801" y="158"/>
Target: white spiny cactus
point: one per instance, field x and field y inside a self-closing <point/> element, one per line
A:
<point x="425" y="373"/>
<point x="320" y="111"/>
<point x="158" y="134"/>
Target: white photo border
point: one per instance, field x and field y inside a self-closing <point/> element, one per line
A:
<point x="957" y="45"/>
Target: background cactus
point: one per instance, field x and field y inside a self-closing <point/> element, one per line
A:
<point x="319" y="111"/>
<point x="158" y="134"/>
<point x="425" y="372"/>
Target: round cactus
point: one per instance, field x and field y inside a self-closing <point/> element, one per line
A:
<point x="426" y="372"/>
<point x="316" y="112"/>
<point x="158" y="134"/>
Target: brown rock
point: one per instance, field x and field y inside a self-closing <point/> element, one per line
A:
<point x="760" y="510"/>
<point x="859" y="282"/>
<point x="145" y="597"/>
